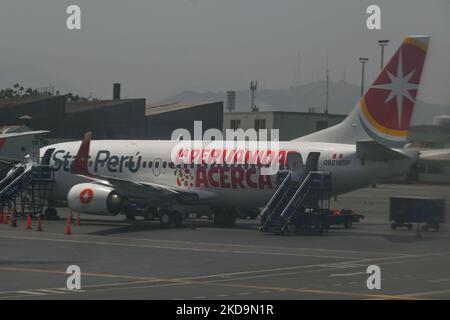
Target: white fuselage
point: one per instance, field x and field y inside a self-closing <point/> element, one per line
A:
<point x="237" y="185"/>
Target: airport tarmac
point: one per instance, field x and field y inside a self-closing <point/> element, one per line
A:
<point x="138" y="260"/>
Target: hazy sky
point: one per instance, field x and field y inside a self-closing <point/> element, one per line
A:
<point x="157" y="48"/>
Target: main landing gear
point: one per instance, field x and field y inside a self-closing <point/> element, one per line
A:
<point x="223" y="217"/>
<point x="168" y="218"/>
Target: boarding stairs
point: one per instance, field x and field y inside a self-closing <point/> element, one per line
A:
<point x="296" y="201"/>
<point x="31" y="183"/>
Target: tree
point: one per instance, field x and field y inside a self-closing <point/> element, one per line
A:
<point x="18" y="91"/>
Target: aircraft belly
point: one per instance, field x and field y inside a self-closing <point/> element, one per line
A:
<point x="241" y="198"/>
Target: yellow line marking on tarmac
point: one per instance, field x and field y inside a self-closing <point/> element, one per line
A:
<point x="191" y="281"/>
<point x="101" y="289"/>
<point x="332" y="267"/>
<point x="89" y="274"/>
<point x="427" y="293"/>
<point x="322" y="292"/>
<point x="31" y="291"/>
<point x="185" y="281"/>
<point x="235" y="245"/>
<point x="241" y="286"/>
<point x="388" y="260"/>
<point x="103" y="243"/>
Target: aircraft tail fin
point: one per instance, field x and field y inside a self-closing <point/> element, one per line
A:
<point x="384" y="112"/>
<point x="80" y="164"/>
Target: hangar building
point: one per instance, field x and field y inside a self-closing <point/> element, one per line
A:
<point x="162" y="120"/>
<point x="107" y="119"/>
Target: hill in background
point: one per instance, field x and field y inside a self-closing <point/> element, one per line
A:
<point x="342" y="98"/>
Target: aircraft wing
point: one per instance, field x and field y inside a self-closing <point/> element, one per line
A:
<point x="13" y="147"/>
<point x="147" y="191"/>
<point x="20" y="134"/>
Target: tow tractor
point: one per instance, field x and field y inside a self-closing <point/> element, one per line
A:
<point x="344" y="217"/>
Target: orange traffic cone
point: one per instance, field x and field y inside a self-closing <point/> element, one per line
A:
<point x="5" y="217"/>
<point x="28" y="224"/>
<point x="68" y="228"/>
<point x="39" y="226"/>
<point x="12" y="221"/>
<point x="78" y="219"/>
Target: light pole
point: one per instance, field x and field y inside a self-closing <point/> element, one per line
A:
<point x="382" y="44"/>
<point x="363" y="63"/>
<point x="253" y="87"/>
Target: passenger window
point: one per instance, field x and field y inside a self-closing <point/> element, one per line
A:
<point x="156" y="164"/>
<point x="150" y="164"/>
<point x="171" y="165"/>
<point x="164" y="164"/>
<point x="144" y="164"/>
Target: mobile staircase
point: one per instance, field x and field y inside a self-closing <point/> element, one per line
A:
<point x="29" y="184"/>
<point x="298" y="205"/>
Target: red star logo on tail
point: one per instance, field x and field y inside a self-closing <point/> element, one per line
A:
<point x="387" y="107"/>
<point x="399" y="87"/>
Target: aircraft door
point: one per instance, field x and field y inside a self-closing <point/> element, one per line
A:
<point x="295" y="163"/>
<point x="157" y="167"/>
<point x="45" y="161"/>
<point x="312" y="162"/>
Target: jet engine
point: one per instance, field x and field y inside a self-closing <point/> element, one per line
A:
<point x="92" y="198"/>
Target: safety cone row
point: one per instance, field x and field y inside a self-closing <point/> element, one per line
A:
<point x="28" y="224"/>
<point x="78" y="219"/>
<point x="5" y="217"/>
<point x="12" y="220"/>
<point x="68" y="230"/>
<point x="39" y="226"/>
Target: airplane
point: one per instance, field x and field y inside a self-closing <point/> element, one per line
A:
<point x="105" y="177"/>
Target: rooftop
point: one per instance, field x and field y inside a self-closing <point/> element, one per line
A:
<point x="288" y="113"/>
<point x="18" y="101"/>
<point x="73" y="107"/>
<point x="151" y="110"/>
